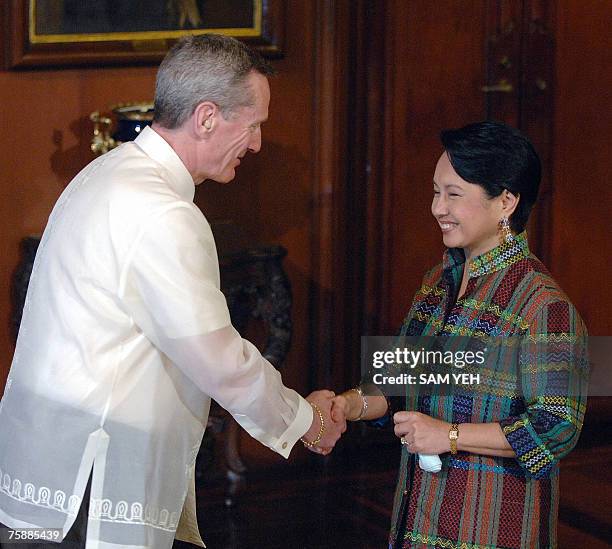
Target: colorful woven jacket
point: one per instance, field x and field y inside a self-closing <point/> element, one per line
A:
<point x="535" y="387"/>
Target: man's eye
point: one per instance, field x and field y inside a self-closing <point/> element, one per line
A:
<point x="453" y="194"/>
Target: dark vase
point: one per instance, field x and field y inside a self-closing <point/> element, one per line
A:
<point x="131" y="120"/>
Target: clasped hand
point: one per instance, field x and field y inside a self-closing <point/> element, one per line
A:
<point x="335" y="423"/>
<point x="423" y="434"/>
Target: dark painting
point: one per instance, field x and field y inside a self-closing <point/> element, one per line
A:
<point x="106" y="32"/>
<point x="54" y="17"/>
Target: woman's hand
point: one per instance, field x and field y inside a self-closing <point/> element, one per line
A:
<point x="340" y="408"/>
<point x="425" y="434"/>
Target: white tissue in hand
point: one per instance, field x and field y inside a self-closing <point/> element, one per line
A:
<point x="430" y="463"/>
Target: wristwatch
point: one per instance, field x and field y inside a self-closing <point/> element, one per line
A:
<point x="453" y="435"/>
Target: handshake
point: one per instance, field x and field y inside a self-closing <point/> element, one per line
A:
<point x="329" y="422"/>
<point x="418" y="432"/>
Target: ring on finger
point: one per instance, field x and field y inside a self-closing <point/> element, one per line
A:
<point x="404" y="441"/>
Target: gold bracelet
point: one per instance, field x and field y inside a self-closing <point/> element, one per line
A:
<point x="364" y="403"/>
<point x="321" y="430"/>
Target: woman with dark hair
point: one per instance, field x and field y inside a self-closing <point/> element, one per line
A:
<point x="500" y="441"/>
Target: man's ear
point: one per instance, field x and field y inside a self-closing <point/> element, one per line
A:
<point x="204" y="118"/>
<point x="509" y="202"/>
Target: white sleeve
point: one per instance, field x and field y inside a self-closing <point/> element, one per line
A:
<point x="171" y="290"/>
<point x="232" y="371"/>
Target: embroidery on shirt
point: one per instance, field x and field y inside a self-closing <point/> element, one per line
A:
<point x="149" y="515"/>
<point x="100" y="509"/>
<point x="43" y="497"/>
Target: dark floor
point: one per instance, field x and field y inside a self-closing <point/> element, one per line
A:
<point x="320" y="504"/>
<point x="342" y="502"/>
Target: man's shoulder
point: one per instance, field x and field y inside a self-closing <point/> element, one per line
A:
<point x="136" y="183"/>
<point x="129" y="169"/>
<point x="125" y="189"/>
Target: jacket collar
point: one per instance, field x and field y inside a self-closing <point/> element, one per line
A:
<point x="498" y="258"/>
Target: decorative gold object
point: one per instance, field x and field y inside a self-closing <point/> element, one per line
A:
<point x="101" y="141"/>
<point x="131" y="120"/>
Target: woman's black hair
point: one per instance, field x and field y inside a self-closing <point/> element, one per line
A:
<point x="496" y="157"/>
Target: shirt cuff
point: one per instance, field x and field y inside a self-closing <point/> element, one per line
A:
<point x="301" y="424"/>
<point x="531" y="453"/>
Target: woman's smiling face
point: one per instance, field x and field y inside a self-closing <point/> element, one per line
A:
<point x="467" y="217"/>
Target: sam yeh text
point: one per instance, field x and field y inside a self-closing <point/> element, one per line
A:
<point x="427" y="379"/>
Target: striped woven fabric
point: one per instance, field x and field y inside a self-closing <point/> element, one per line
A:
<point x="537" y="395"/>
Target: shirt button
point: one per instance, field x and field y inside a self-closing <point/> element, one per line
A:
<point x="284" y="445"/>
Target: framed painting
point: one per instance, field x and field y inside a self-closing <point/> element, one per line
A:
<point x="41" y="33"/>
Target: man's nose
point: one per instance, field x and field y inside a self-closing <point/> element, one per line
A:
<point x="255" y="142"/>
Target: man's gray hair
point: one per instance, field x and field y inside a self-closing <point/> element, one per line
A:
<point x="207" y="67"/>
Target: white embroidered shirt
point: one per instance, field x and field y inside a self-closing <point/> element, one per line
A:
<point x="125" y="338"/>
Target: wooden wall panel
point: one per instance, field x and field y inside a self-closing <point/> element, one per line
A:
<point x="436" y="73"/>
<point x="271" y="197"/>
<point x="437" y="60"/>
<point x="582" y="195"/>
<point x="537" y="110"/>
<point x="331" y="234"/>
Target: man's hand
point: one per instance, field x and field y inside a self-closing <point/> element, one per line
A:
<point x="425" y="434"/>
<point x="340" y="408"/>
<point x="333" y="427"/>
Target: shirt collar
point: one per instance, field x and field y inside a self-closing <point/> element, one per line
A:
<point x="498" y="258"/>
<point x="157" y="148"/>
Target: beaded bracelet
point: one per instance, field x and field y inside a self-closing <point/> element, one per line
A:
<point x="364" y="403"/>
<point x="321" y="430"/>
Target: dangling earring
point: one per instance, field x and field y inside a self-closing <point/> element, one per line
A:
<point x="505" y="234"/>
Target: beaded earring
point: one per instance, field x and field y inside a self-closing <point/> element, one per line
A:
<point x="505" y="234"/>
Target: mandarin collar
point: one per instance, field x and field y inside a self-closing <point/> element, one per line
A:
<point x="498" y="258"/>
<point x="158" y="149"/>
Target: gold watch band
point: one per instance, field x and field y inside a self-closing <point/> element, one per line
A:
<point x="453" y="435"/>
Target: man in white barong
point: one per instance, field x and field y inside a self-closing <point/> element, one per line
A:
<point x="126" y="336"/>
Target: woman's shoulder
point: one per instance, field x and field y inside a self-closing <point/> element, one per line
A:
<point x="545" y="300"/>
<point x="536" y="277"/>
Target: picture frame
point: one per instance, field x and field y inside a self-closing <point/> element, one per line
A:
<point x="63" y="33"/>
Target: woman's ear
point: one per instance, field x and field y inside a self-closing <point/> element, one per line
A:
<point x="509" y="202"/>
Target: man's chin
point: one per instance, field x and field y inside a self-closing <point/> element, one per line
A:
<point x="224" y="178"/>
